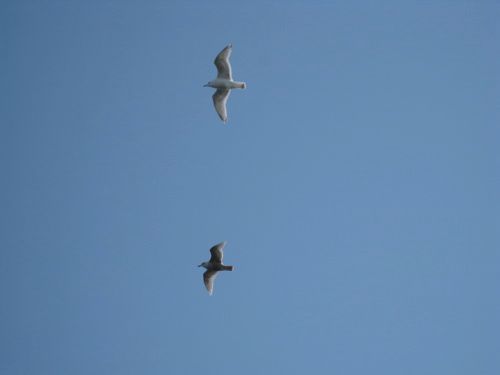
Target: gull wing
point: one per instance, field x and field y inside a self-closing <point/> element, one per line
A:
<point x="217" y="253"/>
<point x="222" y="63"/>
<point x="209" y="278"/>
<point x="220" y="98"/>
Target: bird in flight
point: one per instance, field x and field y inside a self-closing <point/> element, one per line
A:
<point x="213" y="266"/>
<point x="224" y="82"/>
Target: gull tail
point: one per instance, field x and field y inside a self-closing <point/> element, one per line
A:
<point x="227" y="268"/>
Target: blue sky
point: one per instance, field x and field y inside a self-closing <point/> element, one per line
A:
<point x="356" y="184"/>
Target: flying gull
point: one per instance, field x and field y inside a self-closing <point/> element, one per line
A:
<point x="224" y="82"/>
<point x="213" y="266"/>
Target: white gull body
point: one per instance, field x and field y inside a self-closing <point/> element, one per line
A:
<point x="224" y="82"/>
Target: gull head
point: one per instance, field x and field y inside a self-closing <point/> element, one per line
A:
<point x="209" y="84"/>
<point x="204" y="264"/>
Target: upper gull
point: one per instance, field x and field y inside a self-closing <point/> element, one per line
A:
<point x="224" y="82"/>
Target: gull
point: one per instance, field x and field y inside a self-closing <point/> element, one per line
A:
<point x="224" y="82"/>
<point x="213" y="266"/>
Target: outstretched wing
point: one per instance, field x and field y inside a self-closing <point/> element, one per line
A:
<point x="222" y="63"/>
<point x="220" y="98"/>
<point x="209" y="278"/>
<point x="217" y="253"/>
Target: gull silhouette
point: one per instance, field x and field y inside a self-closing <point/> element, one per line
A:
<point x="213" y="266"/>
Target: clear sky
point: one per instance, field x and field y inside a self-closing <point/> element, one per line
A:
<point x="357" y="184"/>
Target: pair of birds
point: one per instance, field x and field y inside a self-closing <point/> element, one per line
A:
<point x="224" y="84"/>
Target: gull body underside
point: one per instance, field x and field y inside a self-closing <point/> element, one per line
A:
<point x="224" y="82"/>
